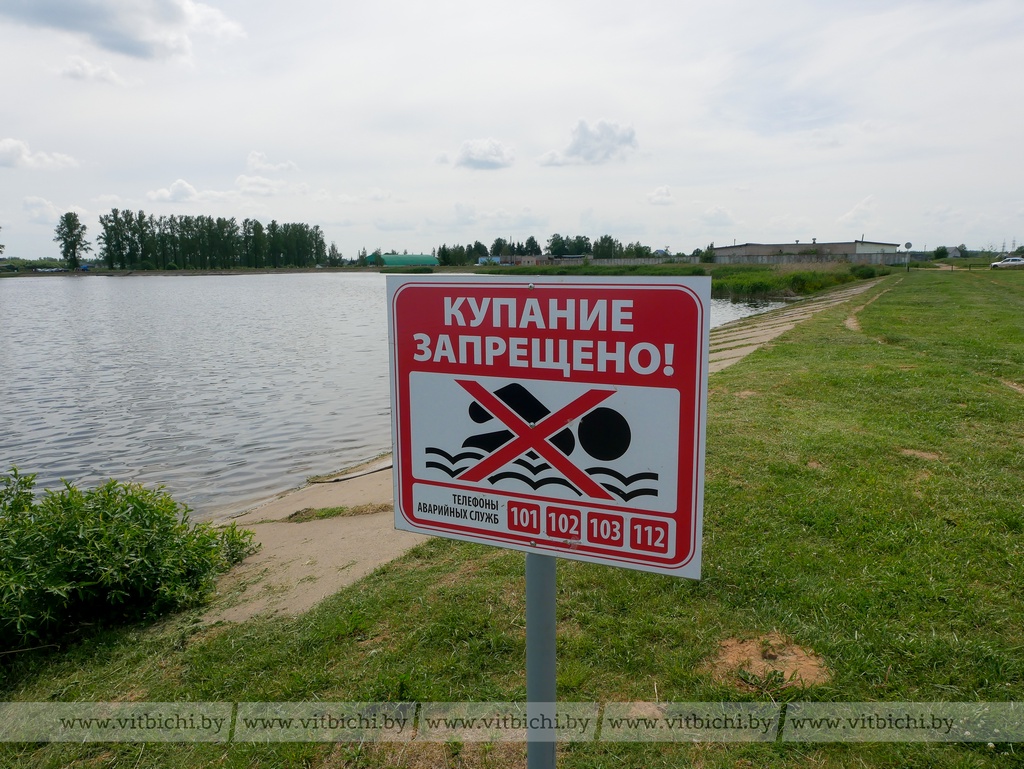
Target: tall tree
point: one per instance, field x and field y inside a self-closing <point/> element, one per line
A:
<point x="275" y="244"/>
<point x="499" y="246"/>
<point x="636" y="251"/>
<point x="1" y="244"/>
<point x="607" y="247"/>
<point x="334" y="257"/>
<point x="579" y="245"/>
<point x="70" y="233"/>
<point x="557" y="245"/>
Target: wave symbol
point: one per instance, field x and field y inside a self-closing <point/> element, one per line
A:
<point x="537" y="476"/>
<point x="451" y="469"/>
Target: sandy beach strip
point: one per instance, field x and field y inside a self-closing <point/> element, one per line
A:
<point x="299" y="564"/>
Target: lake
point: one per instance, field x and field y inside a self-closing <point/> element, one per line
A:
<point x="225" y="389"/>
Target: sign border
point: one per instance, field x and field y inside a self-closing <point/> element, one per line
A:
<point x="697" y="288"/>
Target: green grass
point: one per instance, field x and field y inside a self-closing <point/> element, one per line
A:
<point x="320" y="513"/>
<point x="863" y="498"/>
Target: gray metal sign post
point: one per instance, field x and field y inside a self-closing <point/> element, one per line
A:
<point x="540" y="660"/>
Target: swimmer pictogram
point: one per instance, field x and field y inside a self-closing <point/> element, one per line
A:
<point x="540" y="448"/>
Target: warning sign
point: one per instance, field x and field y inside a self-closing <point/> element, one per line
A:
<point x="553" y="415"/>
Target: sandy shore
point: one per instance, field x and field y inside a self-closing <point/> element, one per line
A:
<point x="299" y="564"/>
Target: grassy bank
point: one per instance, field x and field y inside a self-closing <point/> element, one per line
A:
<point x="863" y="500"/>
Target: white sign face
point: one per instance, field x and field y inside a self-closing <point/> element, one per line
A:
<point x="551" y="415"/>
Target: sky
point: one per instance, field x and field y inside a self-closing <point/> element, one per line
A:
<point x="402" y="125"/>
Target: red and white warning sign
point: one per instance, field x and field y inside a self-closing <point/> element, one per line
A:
<point x="555" y="415"/>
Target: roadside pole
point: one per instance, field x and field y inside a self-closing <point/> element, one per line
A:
<point x="540" y="660"/>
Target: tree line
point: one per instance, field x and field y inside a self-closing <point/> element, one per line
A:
<point x="605" y="247"/>
<point x="137" y="241"/>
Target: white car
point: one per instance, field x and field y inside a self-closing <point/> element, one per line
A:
<point x="1012" y="261"/>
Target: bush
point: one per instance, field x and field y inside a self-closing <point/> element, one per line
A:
<point x="119" y="552"/>
<point x="863" y="271"/>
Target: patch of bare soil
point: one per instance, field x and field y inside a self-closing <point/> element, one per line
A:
<point x="770" y="661"/>
<point x="920" y="454"/>
<point x="301" y="563"/>
<point x="852" y="322"/>
<point x="1013" y="385"/>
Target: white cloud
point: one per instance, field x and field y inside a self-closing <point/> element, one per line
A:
<point x="179" y="192"/>
<point x="593" y="145"/>
<point x="860" y="215"/>
<point x="484" y="154"/>
<point x="145" y="29"/>
<point x="264" y="187"/>
<point x="15" y="153"/>
<point x="40" y="210"/>
<point x="717" y="216"/>
<point x="662" y="196"/>
<point x="258" y="163"/>
<point x="182" y="191"/>
<point x="80" y="68"/>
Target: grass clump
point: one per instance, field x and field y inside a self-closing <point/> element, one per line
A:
<point x="115" y="553"/>
<point x="322" y="513"/>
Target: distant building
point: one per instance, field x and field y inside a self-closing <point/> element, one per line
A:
<point x="782" y="253"/>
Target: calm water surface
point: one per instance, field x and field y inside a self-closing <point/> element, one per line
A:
<point x="225" y="389"/>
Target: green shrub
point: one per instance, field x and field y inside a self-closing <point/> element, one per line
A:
<point x="863" y="271"/>
<point x="118" y="552"/>
<point x="756" y="280"/>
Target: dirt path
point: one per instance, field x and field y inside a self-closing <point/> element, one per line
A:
<point x="299" y="564"/>
<point x="734" y="341"/>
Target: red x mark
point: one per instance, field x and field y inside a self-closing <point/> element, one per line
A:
<point x="535" y="437"/>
